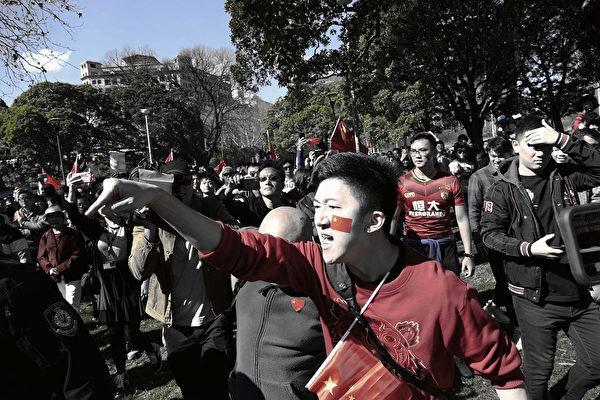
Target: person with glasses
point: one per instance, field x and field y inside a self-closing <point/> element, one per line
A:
<point x="426" y="196"/>
<point x="249" y="209"/>
<point x="288" y="170"/>
<point x="422" y="316"/>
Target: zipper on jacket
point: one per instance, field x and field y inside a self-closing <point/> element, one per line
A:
<point x="263" y="322"/>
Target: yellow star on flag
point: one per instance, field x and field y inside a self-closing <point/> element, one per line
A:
<point x="330" y="385"/>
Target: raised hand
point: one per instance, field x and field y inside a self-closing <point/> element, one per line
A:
<point x="543" y="135"/>
<point x="123" y="196"/>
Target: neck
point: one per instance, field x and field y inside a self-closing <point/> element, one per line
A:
<point x="372" y="266"/>
<point x="428" y="170"/>
<point x="524" y="171"/>
<point x="272" y="203"/>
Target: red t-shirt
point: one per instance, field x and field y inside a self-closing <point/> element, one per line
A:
<point x="427" y="205"/>
<point x="424" y="316"/>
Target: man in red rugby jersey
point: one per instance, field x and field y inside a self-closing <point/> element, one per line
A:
<point x="426" y="196"/>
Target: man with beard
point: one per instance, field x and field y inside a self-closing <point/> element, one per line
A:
<point x="423" y="315"/>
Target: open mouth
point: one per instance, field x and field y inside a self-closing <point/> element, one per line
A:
<point x="326" y="240"/>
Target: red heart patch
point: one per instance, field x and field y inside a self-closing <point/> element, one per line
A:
<point x="297" y="304"/>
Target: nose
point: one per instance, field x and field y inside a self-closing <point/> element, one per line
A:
<point x="321" y="218"/>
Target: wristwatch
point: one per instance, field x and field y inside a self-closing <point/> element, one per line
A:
<point x="469" y="255"/>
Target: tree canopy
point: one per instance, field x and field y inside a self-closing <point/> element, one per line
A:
<point x="466" y="61"/>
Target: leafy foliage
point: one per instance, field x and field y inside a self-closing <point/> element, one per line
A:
<point x="416" y="64"/>
<point x="26" y="44"/>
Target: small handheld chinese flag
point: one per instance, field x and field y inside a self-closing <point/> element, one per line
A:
<point x="79" y="164"/>
<point x="353" y="372"/>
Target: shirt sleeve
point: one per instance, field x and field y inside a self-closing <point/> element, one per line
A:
<point x="457" y="193"/>
<point x="475" y="199"/>
<point x="478" y="340"/>
<point x="495" y="224"/>
<point x="253" y="256"/>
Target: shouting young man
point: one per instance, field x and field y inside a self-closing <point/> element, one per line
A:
<point x="421" y="314"/>
<point x="519" y="219"/>
<point x="426" y="196"/>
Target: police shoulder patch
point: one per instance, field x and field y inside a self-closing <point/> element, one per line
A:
<point x="61" y="319"/>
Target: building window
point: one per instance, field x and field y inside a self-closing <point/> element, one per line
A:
<point x="93" y="81"/>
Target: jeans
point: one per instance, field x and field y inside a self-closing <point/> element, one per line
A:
<point x="539" y="325"/>
<point x="199" y="358"/>
<point x="71" y="291"/>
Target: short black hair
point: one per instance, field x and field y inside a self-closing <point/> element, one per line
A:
<point x="500" y="145"/>
<point x="424" y="135"/>
<point x="525" y="125"/>
<point x="462" y="136"/>
<point x="373" y="180"/>
<point x="275" y="166"/>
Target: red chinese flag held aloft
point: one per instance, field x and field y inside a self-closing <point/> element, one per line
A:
<point x="272" y="152"/>
<point x="314" y="141"/>
<point x="50" y="180"/>
<point x="342" y="139"/>
<point x="353" y="372"/>
<point x="220" y="166"/>
<point x="170" y="157"/>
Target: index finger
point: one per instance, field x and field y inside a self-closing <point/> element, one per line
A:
<point x="104" y="199"/>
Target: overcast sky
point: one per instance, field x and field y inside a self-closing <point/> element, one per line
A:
<point x="164" y="26"/>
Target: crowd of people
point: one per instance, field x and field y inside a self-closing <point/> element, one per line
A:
<point x="257" y="272"/>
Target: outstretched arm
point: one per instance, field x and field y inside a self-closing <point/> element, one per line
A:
<point x="122" y="196"/>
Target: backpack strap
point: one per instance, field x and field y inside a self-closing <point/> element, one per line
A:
<point x="342" y="283"/>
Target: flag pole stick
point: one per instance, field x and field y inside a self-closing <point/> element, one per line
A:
<point x="333" y="132"/>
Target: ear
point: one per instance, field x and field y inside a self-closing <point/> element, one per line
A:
<point x="374" y="221"/>
<point x="515" y="145"/>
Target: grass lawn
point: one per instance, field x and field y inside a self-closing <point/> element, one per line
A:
<point x="148" y="386"/>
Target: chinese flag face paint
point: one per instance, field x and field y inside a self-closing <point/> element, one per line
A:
<point x="341" y="224"/>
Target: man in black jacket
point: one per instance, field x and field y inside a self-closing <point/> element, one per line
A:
<point x="519" y="220"/>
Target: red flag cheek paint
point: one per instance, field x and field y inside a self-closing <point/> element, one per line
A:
<point x="341" y="224"/>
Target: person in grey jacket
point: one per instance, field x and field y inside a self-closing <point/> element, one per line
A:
<point x="279" y="337"/>
<point x="498" y="150"/>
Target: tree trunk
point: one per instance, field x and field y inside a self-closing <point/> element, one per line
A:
<point x="475" y="132"/>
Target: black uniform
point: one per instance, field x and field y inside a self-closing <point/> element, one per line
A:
<point x="47" y="352"/>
